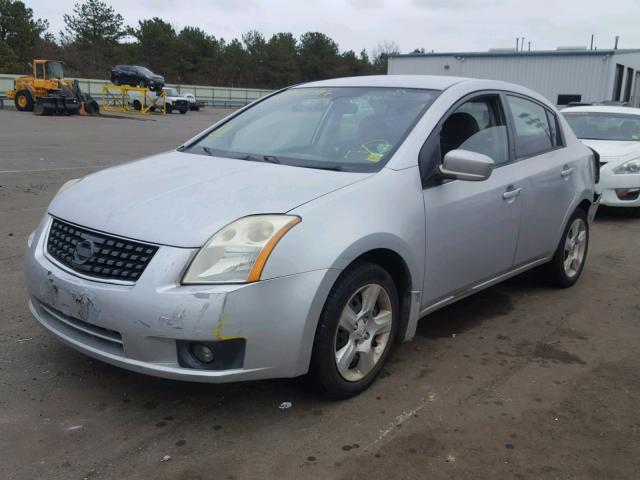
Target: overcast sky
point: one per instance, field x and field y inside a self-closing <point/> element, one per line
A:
<point x="441" y="25"/>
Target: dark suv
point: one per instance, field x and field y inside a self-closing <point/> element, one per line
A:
<point x="136" y="77"/>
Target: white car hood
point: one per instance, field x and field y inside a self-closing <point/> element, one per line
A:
<point x="614" y="151"/>
<point x="182" y="199"/>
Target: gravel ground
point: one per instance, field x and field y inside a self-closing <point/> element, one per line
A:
<point x="519" y="381"/>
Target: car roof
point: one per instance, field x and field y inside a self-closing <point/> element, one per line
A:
<point x="602" y="109"/>
<point x="431" y="82"/>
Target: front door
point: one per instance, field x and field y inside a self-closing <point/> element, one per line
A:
<point x="471" y="227"/>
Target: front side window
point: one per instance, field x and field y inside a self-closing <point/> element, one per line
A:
<point x="604" y="126"/>
<point x="478" y="126"/>
<point x="338" y="128"/>
<point x="533" y="134"/>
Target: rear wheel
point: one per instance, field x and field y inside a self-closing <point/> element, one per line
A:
<point x="568" y="261"/>
<point x="355" y="333"/>
<point x="24" y="101"/>
<point x="115" y="81"/>
<point x="169" y="108"/>
<point x="142" y="84"/>
<point x="137" y="105"/>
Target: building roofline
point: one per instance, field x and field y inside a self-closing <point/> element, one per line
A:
<point x="535" y="53"/>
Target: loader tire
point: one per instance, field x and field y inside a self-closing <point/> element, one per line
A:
<point x="24" y="101"/>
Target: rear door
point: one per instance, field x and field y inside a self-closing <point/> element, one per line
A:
<point x="551" y="172"/>
<point x="471" y="227"/>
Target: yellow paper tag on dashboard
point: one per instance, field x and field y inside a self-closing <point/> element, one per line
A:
<point x="374" y="157"/>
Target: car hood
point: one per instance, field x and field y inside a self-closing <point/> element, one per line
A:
<point x="612" y="150"/>
<point x="157" y="78"/>
<point x="182" y="199"/>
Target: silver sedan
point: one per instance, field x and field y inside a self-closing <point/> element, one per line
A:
<point x="310" y="231"/>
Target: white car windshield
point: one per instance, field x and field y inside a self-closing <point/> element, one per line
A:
<point x="337" y="128"/>
<point x="604" y="126"/>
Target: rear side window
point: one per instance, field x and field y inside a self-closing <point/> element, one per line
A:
<point x="533" y="132"/>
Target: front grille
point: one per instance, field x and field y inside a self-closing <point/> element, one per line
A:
<point x="97" y="254"/>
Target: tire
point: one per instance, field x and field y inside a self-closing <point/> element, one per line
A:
<point x="168" y="107"/>
<point x="137" y="105"/>
<point x="561" y="272"/>
<point x="365" y="345"/>
<point x="183" y="111"/>
<point x="115" y="81"/>
<point x="142" y="84"/>
<point x="23" y="101"/>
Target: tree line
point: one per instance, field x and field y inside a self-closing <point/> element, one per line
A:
<point x="95" y="38"/>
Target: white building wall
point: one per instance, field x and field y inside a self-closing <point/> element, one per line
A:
<point x="591" y="76"/>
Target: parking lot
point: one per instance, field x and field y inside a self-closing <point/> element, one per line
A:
<point x="519" y="381"/>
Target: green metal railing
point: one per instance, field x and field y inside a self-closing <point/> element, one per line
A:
<point x="209" y="95"/>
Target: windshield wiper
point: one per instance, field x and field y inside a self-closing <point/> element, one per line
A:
<point x="333" y="168"/>
<point x="240" y="156"/>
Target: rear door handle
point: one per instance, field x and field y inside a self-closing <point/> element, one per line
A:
<point x="511" y="192"/>
<point x="566" y="171"/>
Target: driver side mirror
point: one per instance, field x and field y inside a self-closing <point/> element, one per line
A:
<point x="466" y="165"/>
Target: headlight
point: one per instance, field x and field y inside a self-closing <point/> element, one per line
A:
<point x="632" y="166"/>
<point x="67" y="184"/>
<point x="239" y="252"/>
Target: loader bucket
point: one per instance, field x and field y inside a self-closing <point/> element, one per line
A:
<point x="90" y="107"/>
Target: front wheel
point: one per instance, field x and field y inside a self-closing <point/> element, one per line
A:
<point x="568" y="261"/>
<point x="356" y="331"/>
<point x="23" y="101"/>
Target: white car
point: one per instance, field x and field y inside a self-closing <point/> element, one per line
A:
<point x="613" y="132"/>
<point x="173" y="99"/>
<point x="193" y="103"/>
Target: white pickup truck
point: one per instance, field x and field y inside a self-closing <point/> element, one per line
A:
<point x="174" y="101"/>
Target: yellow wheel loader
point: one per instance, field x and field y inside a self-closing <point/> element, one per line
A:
<point x="47" y="92"/>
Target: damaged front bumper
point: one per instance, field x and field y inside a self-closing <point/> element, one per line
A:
<point x="139" y="327"/>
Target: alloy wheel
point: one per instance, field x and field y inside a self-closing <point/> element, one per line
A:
<point x="575" y="246"/>
<point x="363" y="332"/>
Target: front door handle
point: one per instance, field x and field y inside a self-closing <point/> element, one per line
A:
<point x="566" y="171"/>
<point x="511" y="192"/>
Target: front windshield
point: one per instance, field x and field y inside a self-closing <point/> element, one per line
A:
<point x="54" y="70"/>
<point x="340" y="128"/>
<point x="604" y="126"/>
